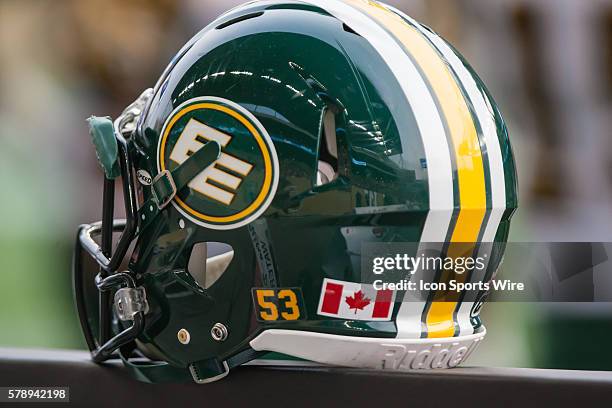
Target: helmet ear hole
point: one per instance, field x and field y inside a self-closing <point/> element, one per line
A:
<point x="208" y="261"/>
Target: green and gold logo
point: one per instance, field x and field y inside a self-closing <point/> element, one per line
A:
<point x="241" y="184"/>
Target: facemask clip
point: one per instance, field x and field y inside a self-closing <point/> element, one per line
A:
<point x="130" y="301"/>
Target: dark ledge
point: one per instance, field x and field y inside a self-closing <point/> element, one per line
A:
<point x="277" y="387"/>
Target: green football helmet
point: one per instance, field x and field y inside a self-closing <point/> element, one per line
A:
<point x="280" y="142"/>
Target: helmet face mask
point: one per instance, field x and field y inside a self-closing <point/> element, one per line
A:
<point x="280" y="140"/>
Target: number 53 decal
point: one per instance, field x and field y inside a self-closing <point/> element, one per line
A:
<point x="278" y="304"/>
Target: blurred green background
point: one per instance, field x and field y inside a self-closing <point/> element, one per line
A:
<point x="548" y="63"/>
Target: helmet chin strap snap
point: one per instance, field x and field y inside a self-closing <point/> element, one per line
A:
<point x="208" y="371"/>
<point x="200" y="372"/>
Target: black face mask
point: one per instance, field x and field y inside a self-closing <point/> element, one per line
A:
<point x="95" y="275"/>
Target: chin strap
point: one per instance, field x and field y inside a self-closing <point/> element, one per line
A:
<point x="167" y="184"/>
<point x="200" y="372"/>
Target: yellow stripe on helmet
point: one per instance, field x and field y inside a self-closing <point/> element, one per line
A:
<point x="465" y="147"/>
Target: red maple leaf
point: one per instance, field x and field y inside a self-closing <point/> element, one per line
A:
<point x="358" y="301"/>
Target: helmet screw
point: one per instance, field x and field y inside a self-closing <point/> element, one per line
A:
<point x="219" y="332"/>
<point x="183" y="336"/>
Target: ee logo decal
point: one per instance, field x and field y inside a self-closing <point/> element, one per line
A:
<point x="241" y="184"/>
<point x="188" y="142"/>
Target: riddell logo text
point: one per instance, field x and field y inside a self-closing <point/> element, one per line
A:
<point x="437" y="355"/>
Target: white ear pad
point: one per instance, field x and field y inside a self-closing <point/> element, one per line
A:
<point x="325" y="173"/>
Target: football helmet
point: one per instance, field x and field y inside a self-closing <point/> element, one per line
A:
<point x="282" y="139"/>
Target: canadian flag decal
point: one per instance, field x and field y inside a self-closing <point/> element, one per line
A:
<point x="355" y="301"/>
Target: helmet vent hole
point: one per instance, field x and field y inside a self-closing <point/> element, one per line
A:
<point x="208" y="261"/>
<point x="327" y="165"/>
<point x="239" y="19"/>
<point x="349" y="29"/>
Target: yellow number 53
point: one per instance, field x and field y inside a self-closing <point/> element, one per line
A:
<point x="278" y="304"/>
